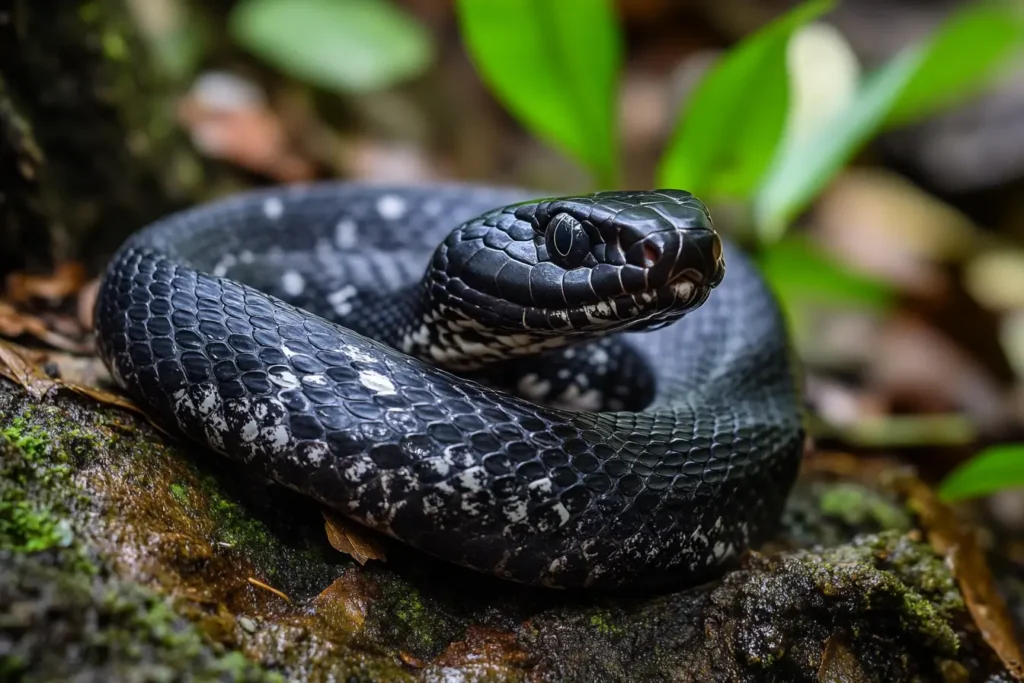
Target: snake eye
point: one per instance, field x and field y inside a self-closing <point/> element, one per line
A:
<point x="568" y="243"/>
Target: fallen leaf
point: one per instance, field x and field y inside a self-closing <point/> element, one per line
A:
<point x="344" y="536"/>
<point x="66" y="280"/>
<point x="16" y="368"/>
<point x="21" y="365"/>
<point x="483" y="648"/>
<point x="838" y="663"/>
<point x="346" y="602"/>
<point x="14" y="323"/>
<point x="967" y="563"/>
<point x="87" y="304"/>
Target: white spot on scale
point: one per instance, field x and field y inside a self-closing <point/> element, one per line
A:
<point x="356" y="471"/>
<point x="346" y="234"/>
<point x="339" y="300"/>
<point x="391" y="207"/>
<point x="533" y="387"/>
<point x="276" y="437"/>
<point x="220" y="269"/>
<point x="356" y="353"/>
<point x="377" y="383"/>
<point x="293" y="283"/>
<point x="516" y="512"/>
<point x="563" y="514"/>
<point x="542" y="485"/>
<point x="284" y="379"/>
<point x="273" y="208"/>
<point x="557" y="564"/>
<point x="316" y="453"/>
<point x="249" y="431"/>
<point x="315" y="380"/>
<point x="472" y="479"/>
<point x="433" y="207"/>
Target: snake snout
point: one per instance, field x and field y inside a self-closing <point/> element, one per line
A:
<point x="701" y="258"/>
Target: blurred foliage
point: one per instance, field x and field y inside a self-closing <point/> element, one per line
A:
<point x="555" y="66"/>
<point x="994" y="469"/>
<point x="803" y="169"/>
<point x="349" y="46"/>
<point x="724" y="142"/>
<point x="962" y="57"/>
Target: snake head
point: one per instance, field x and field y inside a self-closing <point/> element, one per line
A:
<point x="547" y="273"/>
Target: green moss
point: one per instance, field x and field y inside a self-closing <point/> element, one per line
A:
<point x="35" y="494"/>
<point x="857" y="506"/>
<point x="602" y="623"/>
<point x="104" y="629"/>
<point x="179" y="493"/>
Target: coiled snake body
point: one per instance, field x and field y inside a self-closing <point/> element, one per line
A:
<point x="584" y="442"/>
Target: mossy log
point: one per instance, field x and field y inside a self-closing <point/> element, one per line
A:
<point x="125" y="554"/>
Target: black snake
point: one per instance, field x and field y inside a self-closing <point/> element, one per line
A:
<point x="584" y="441"/>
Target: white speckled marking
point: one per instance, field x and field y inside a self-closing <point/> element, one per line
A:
<point x="346" y="234"/>
<point x="317" y="452"/>
<point x="531" y="386"/>
<point x="293" y="283"/>
<point x="563" y="514"/>
<point x="515" y="511"/>
<point x="339" y="300"/>
<point x="542" y="485"/>
<point x="355" y="353"/>
<point x="249" y="431"/>
<point x="284" y="379"/>
<point x="315" y="380"/>
<point x="391" y="207"/>
<point x="377" y="383"/>
<point x="472" y="479"/>
<point x="273" y="208"/>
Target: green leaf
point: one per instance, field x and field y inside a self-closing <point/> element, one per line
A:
<point x="961" y="59"/>
<point x="344" y="45"/>
<point x="554" y="65"/>
<point x="802" y="273"/>
<point x="732" y="124"/>
<point x="804" y="168"/>
<point x="992" y="470"/>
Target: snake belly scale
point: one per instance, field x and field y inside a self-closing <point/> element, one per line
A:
<point x="392" y="352"/>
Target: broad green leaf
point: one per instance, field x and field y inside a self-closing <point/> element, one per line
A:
<point x="732" y="124"/>
<point x="802" y="273"/>
<point x="803" y="169"/>
<point x="344" y="45"/>
<point x="992" y="470"/>
<point x="554" y="65"/>
<point x="960" y="60"/>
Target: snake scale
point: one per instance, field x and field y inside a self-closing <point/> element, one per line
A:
<point x="500" y="381"/>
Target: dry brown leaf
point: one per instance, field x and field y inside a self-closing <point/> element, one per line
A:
<point x="839" y="664"/>
<point x="14" y="323"/>
<point x="346" y="537"/>
<point x="103" y="396"/>
<point x="345" y="602"/>
<point x="483" y="647"/>
<point x="16" y="368"/>
<point x="65" y="281"/>
<point x="967" y="563"/>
